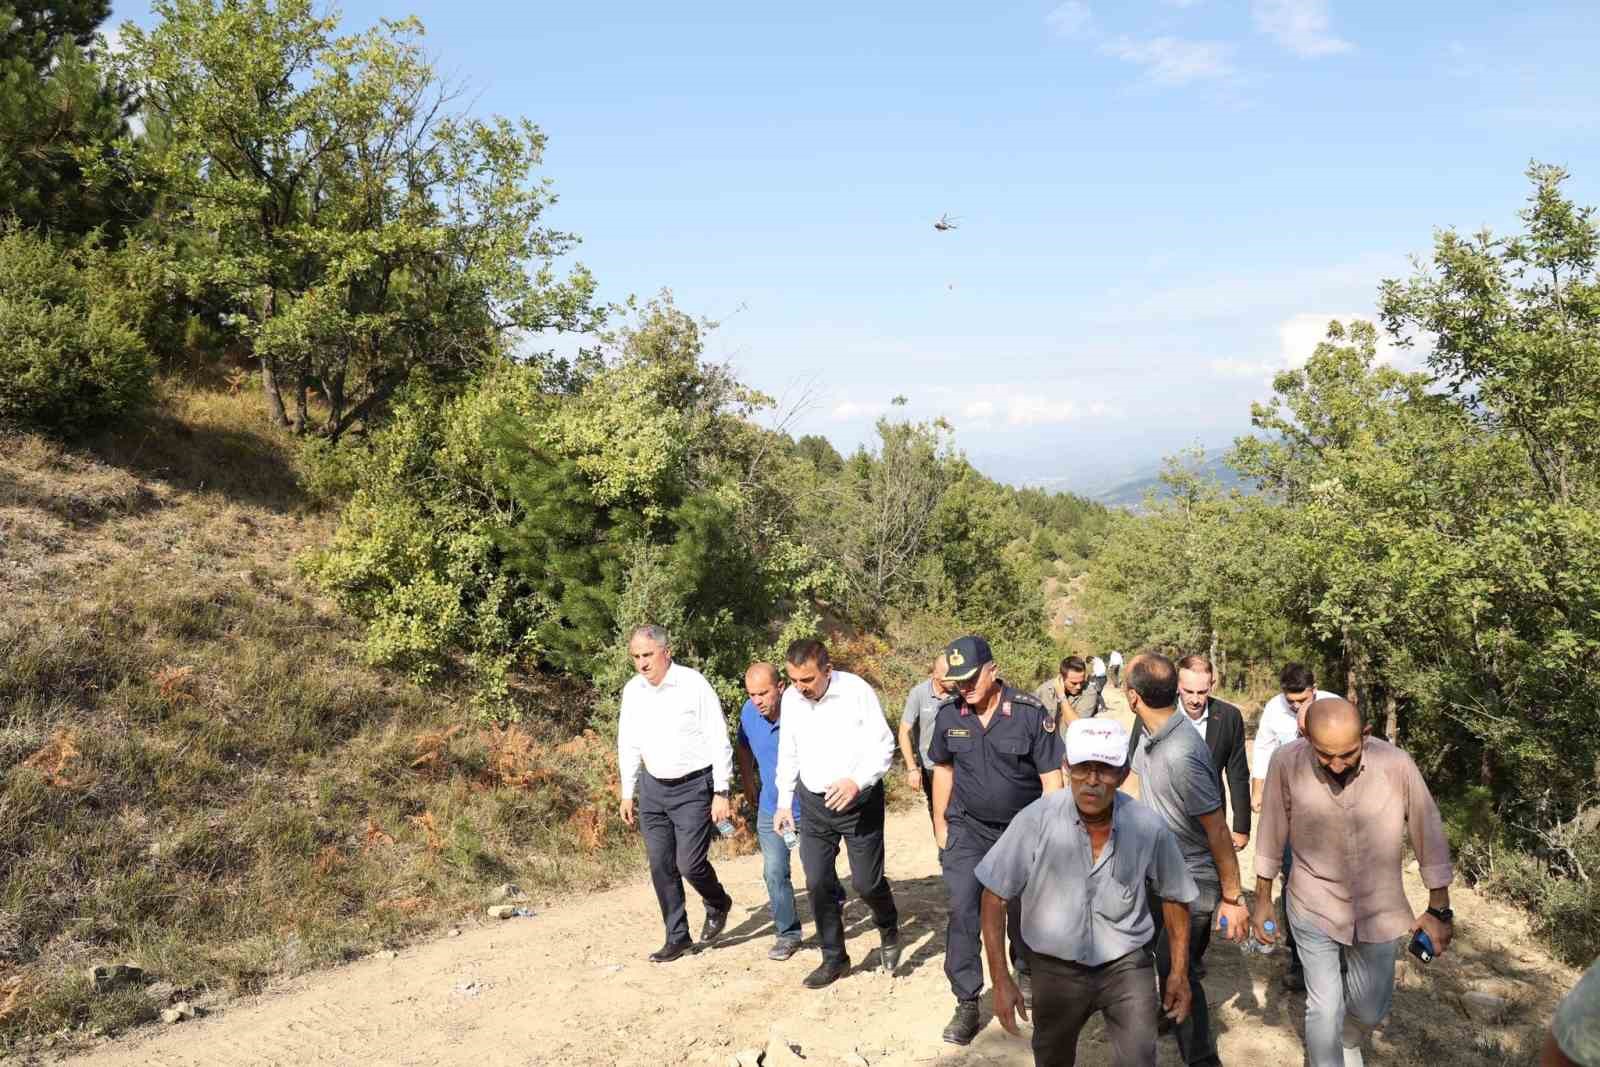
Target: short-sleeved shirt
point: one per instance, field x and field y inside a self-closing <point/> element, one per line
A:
<point x="1075" y="907"/>
<point x="997" y="769"/>
<point x="922" y="707"/>
<point x="761" y="737"/>
<point x="1177" y="780"/>
<point x="1577" y="1022"/>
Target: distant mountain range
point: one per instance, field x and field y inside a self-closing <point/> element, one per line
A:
<point x="1131" y="494"/>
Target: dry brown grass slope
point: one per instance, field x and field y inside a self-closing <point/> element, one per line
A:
<point x="197" y="772"/>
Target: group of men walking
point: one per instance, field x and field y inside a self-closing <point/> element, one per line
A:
<point x="1082" y="898"/>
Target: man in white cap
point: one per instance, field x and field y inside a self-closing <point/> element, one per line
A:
<point x="1081" y="859"/>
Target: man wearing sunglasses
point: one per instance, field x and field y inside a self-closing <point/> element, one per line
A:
<point x="995" y="750"/>
<point x="1080" y="862"/>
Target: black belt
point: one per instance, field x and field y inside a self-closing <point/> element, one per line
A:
<point x="691" y="776"/>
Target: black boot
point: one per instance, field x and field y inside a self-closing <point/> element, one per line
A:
<point x="828" y="973"/>
<point x="963" y="1025"/>
<point x="889" y="950"/>
<point x="716" y="921"/>
<point x="670" y="951"/>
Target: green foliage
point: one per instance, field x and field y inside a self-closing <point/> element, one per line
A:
<point x="356" y="228"/>
<point x="71" y="352"/>
<point x="65" y="162"/>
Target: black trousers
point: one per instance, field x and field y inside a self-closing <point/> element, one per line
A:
<point x="927" y="789"/>
<point x="860" y="826"/>
<point x="1066" y="995"/>
<point x="966" y="843"/>
<point x="1195" y="1040"/>
<point x="675" y="816"/>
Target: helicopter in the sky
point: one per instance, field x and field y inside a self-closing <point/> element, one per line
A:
<point x="946" y="223"/>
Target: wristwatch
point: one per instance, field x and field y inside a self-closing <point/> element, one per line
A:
<point x="1237" y="902"/>
<point x="1444" y="915"/>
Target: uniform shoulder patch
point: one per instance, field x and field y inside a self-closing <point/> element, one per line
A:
<point x="1048" y="723"/>
<point x="1026" y="699"/>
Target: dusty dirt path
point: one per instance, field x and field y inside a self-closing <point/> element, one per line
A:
<point x="570" y="985"/>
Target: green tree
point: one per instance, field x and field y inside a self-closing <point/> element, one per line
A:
<point x="361" y="229"/>
<point x="65" y="161"/>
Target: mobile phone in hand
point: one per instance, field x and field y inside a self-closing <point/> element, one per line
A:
<point x="1421" y="946"/>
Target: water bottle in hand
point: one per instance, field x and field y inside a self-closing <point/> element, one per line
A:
<point x="725" y="827"/>
<point x="790" y="838"/>
<point x="1257" y="947"/>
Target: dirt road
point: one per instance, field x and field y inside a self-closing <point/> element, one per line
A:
<point x="571" y="986"/>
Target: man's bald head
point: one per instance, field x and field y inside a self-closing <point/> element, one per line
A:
<point x="1331" y="718"/>
<point x="1337" y="736"/>
<point x="765" y="686"/>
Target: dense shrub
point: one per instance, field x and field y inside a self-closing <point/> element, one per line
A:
<point x="71" y="350"/>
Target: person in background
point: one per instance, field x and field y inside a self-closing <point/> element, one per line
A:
<point x="1574" y="1037"/>
<point x="833" y="752"/>
<point x="995" y="751"/>
<point x="1080" y="860"/>
<point x="673" y="743"/>
<point x="1115" y="663"/>
<point x="1278" y="725"/>
<point x="1070" y="695"/>
<point x="1177" y="780"/>
<point x="757" y="752"/>
<point x="1222" y="726"/>
<point x="1097" y="668"/>
<point x="916" y="728"/>
<point x="1347" y="803"/>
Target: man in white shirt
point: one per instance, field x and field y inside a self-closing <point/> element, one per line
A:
<point x="833" y="752"/>
<point x="1115" y="663"/>
<point x="1283" y="721"/>
<point x="1097" y="670"/>
<point x="673" y="740"/>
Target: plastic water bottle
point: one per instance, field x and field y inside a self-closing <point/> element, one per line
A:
<point x="790" y="838"/>
<point x="1252" y="946"/>
<point x="725" y="827"/>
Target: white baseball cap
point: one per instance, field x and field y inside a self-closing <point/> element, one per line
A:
<point x="1097" y="740"/>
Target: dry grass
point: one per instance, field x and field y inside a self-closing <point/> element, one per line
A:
<point x="197" y="772"/>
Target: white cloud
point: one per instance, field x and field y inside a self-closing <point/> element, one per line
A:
<point x="1298" y="337"/>
<point x="1301" y="26"/>
<point x="982" y="410"/>
<point x="1070" y="18"/>
<point x="850" y="410"/>
<point x="1174" y="60"/>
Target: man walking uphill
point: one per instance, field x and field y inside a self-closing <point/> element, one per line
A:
<point x="758" y="770"/>
<point x="916" y="728"/>
<point x="1346" y="804"/>
<point x="833" y="753"/>
<point x="1070" y="695"/>
<point x="995" y="751"/>
<point x="1080" y="863"/>
<point x="1177" y="780"/>
<point x="673" y="740"/>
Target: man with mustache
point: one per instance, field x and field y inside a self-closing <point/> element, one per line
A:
<point x="1080" y="860"/>
<point x="1346" y="803"/>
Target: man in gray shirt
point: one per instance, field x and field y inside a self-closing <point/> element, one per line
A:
<point x="1177" y="780"/>
<point x="1081" y="859"/>
<point x="916" y="728"/>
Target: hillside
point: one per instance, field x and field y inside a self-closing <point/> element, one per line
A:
<point x="199" y="773"/>
<point x="1131" y="493"/>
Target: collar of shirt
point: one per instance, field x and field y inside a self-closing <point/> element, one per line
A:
<point x="1003" y="707"/>
<point x="1167" y="728"/>
<point x="671" y="678"/>
<point x="1200" y="723"/>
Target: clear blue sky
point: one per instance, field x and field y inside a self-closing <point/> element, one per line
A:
<point x="1159" y="200"/>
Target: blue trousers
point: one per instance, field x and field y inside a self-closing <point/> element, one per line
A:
<point x="775" y="871"/>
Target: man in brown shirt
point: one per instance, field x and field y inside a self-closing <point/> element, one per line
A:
<point x="1344" y="802"/>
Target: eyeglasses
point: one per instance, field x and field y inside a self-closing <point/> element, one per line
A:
<point x="1085" y="771"/>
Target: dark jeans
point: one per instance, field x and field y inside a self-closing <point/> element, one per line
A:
<point x="861" y="828"/>
<point x="1195" y="1041"/>
<point x="1066" y="995"/>
<point x="675" y="817"/>
<point x="966" y="843"/>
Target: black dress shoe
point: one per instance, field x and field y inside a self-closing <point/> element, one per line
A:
<point x="963" y="1025"/>
<point x="828" y="973"/>
<point x="670" y="951"/>
<point x="889" y="951"/>
<point x="716" y="922"/>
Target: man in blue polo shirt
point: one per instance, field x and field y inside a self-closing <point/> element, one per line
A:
<point x="757" y="752"/>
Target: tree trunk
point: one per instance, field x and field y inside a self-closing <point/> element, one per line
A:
<point x="301" y="385"/>
<point x="333" y="387"/>
<point x="269" y="386"/>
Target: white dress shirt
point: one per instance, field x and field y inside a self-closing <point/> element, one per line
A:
<point x="1203" y="721"/>
<point x="673" y="729"/>
<point x="1277" y="726"/>
<point x="843" y="735"/>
